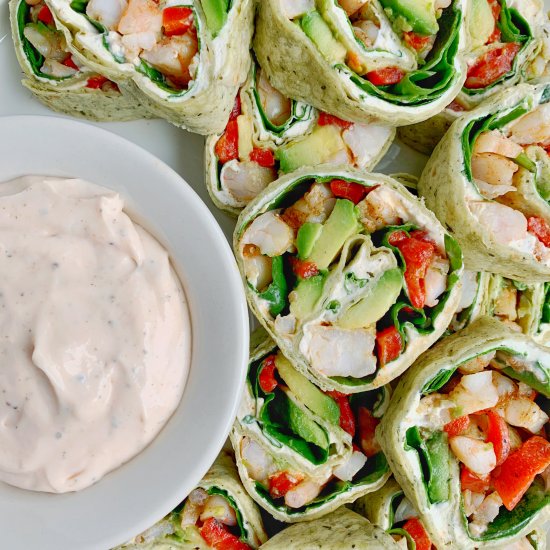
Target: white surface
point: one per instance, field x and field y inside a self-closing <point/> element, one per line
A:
<point x="139" y="493"/>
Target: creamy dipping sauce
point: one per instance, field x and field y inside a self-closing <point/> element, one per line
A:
<point x="94" y="334"/>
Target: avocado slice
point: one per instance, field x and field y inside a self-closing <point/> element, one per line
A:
<point x="305" y="427"/>
<point x="310" y="395"/>
<point x="420" y="14"/>
<point x="482" y="22"/>
<point x="316" y="148"/>
<point x="319" y="32"/>
<point x="307" y="236"/>
<point x="341" y="224"/>
<point x="215" y="12"/>
<point x="374" y="306"/>
<point x="306" y="294"/>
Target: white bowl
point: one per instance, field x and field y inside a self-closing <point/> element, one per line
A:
<point x="139" y="493"/>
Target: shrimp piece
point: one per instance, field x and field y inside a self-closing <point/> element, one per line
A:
<point x="477" y="364"/>
<point x="315" y="206"/>
<point x="245" y="180"/>
<point x="485" y="514"/>
<point x="136" y="42"/>
<point x="274" y="104"/>
<point x="258" y="271"/>
<point x="270" y="234"/>
<point x="506" y="304"/>
<point x="495" y="142"/>
<point x="534" y="127"/>
<point x="302" y="494"/>
<point x="376" y="212"/>
<point x="106" y="12"/>
<point x="141" y="16"/>
<point x="367" y="31"/>
<point x="49" y="43"/>
<point x="193" y="507"/>
<point x="524" y="413"/>
<point x="218" y="508"/>
<point x="173" y="56"/>
<point x="493" y="169"/>
<point x="469" y="289"/>
<point x="479" y="457"/>
<point x="436" y="280"/>
<point x="504" y="223"/>
<point x="471" y="501"/>
<point x="258" y="463"/>
<point x="348" y="469"/>
<point x="352" y="6"/>
<point x="336" y="351"/>
<point x="54" y="68"/>
<point x="364" y="139"/>
<point x="475" y="393"/>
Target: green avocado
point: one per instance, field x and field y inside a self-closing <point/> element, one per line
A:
<point x="310" y="395"/>
<point x="307" y="236"/>
<point x="374" y="306"/>
<point x="316" y="148"/>
<point x="305" y="427"/>
<point x="306" y="294"/>
<point x="341" y="224"/>
<point x="420" y="14"/>
<point x="319" y="32"/>
<point x="482" y="23"/>
<point x="216" y="14"/>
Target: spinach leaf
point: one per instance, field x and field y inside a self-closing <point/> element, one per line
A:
<point x="277" y="292"/>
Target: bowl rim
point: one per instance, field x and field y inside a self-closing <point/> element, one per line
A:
<point x="226" y="304"/>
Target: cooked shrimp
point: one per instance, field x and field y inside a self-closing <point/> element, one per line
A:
<point x="245" y="179"/>
<point x="534" y="127"/>
<point x="136" y="42"/>
<point x="54" y="68"/>
<point x="475" y="393"/>
<point x="493" y="169"/>
<point x="471" y="501"/>
<point x="348" y="469"/>
<point x="315" y="206"/>
<point x="193" y="507"/>
<point x="469" y="289"/>
<point x="436" y="280"/>
<point x="270" y="234"/>
<point x="49" y="43"/>
<point x="479" y="457"/>
<point x="173" y="56"/>
<point x="477" y="364"/>
<point x="351" y="6"/>
<point x="302" y="494"/>
<point x="496" y="142"/>
<point x="506" y="303"/>
<point x="336" y="351"/>
<point x="524" y="413"/>
<point x="485" y="514"/>
<point x="218" y="507"/>
<point x="366" y="31"/>
<point x="106" y="12"/>
<point x="258" y="271"/>
<point x="141" y="16"/>
<point x="274" y="104"/>
<point x="258" y="463"/>
<point x="364" y="139"/>
<point x="376" y="212"/>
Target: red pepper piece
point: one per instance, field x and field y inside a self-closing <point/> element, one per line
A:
<point x="303" y="269"/>
<point x="95" y="82"/>
<point x="350" y="190"/>
<point x="69" y="62"/>
<point x="388" y="345"/>
<point x="227" y="147"/>
<point x="281" y="483"/>
<point x="219" y="537"/>
<point x="267" y="379"/>
<point x="45" y="15"/>
<point x="499" y="435"/>
<point x="473" y="482"/>
<point x="417" y="532"/>
<point x="512" y="479"/>
<point x="491" y="66"/>
<point x="416" y="41"/>
<point x="457" y="426"/>
<point x="264" y="157"/>
<point x="385" y="76"/>
<point x="347" y="419"/>
<point x="325" y="119"/>
<point x="367" y="432"/>
<point x="177" y="20"/>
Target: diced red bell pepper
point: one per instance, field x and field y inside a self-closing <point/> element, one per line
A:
<point x="417" y="532"/>
<point x="95" y="82"/>
<point x="227" y="147"/>
<point x="219" y="537"/>
<point x="177" y="20"/>
<point x="457" y="426"/>
<point x="266" y="378"/>
<point x="492" y="65"/>
<point x="281" y="483"/>
<point x="512" y="479"/>
<point x="350" y="190"/>
<point x="538" y="227"/>
<point x="69" y="62"/>
<point x="347" y="419"/>
<point x="325" y="119"/>
<point x="236" y="111"/>
<point x="45" y="15"/>
<point x="388" y="345"/>
<point x="499" y="435"/>
<point x="472" y="482"/>
<point x="416" y="41"/>
<point x="264" y="157"/>
<point x="303" y="269"/>
<point x="385" y="76"/>
<point x="418" y="254"/>
<point x="496" y="8"/>
<point x="367" y="432"/>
